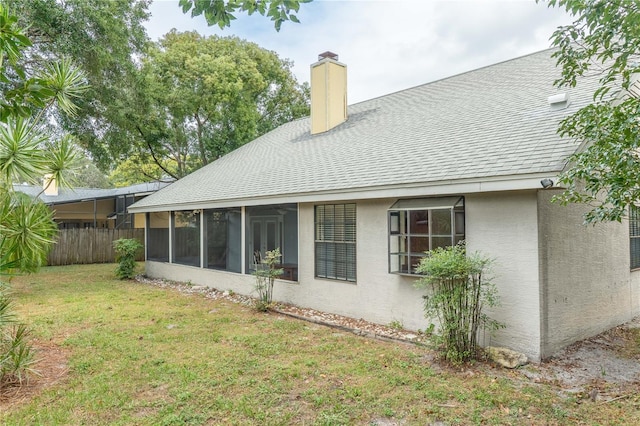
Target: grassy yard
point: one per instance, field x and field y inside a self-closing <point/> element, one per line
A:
<point x="137" y="354"/>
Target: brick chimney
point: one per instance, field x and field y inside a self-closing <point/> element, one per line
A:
<point x="328" y="93"/>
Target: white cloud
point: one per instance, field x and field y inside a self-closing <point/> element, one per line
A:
<point x="390" y="45"/>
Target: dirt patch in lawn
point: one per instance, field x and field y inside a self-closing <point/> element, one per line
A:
<point x="603" y="368"/>
<point x="51" y="368"/>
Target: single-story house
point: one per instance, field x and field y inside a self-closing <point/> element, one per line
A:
<point x="92" y="207"/>
<point x="354" y="196"/>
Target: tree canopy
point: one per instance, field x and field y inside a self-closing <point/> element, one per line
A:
<point x="105" y="39"/>
<point x="221" y="12"/>
<point x="201" y="97"/>
<point x="604" y="38"/>
<point x="28" y="149"/>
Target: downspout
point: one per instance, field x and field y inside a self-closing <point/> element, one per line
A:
<point x="95" y="213"/>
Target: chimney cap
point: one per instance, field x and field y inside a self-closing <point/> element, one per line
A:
<point x="328" y="55"/>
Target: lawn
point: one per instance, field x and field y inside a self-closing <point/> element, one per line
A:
<point x="138" y="354"/>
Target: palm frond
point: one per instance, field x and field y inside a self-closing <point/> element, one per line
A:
<point x="21" y="156"/>
<point x="68" y="82"/>
<point x="63" y="157"/>
<point x="31" y="231"/>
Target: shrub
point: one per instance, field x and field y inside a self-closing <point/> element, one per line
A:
<point x="266" y="272"/>
<point x="16" y="353"/>
<point x="126" y="251"/>
<point x="458" y="290"/>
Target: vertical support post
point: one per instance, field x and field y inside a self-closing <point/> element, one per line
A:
<point x="243" y="243"/>
<point x="147" y="220"/>
<point x="203" y="248"/>
<point x="171" y="231"/>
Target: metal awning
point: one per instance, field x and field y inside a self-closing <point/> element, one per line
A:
<point x="428" y="203"/>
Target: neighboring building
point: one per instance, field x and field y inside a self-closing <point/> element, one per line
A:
<point x="92" y="207"/>
<point x="354" y="201"/>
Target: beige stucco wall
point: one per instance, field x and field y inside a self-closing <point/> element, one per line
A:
<point x="84" y="210"/>
<point x="589" y="287"/>
<point x="139" y="220"/>
<point x="504" y="227"/>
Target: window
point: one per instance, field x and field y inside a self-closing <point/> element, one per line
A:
<point x="223" y="230"/>
<point x="634" y="236"/>
<point x="158" y="236"/>
<point x="335" y="241"/>
<point x="419" y="225"/>
<point x="186" y="241"/>
<point x="124" y="220"/>
<point x="270" y="227"/>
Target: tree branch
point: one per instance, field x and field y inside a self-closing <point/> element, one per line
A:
<point x="153" y="154"/>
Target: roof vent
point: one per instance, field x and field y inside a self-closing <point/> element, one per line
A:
<point x="329" y="55"/>
<point x="559" y="101"/>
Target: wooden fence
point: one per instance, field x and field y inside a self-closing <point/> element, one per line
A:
<point x="76" y="246"/>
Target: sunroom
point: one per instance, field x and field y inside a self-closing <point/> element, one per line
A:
<point x="227" y="239"/>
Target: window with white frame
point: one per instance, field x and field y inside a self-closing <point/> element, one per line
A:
<point x="634" y="236"/>
<point x="335" y="241"/>
<point x="419" y="225"/>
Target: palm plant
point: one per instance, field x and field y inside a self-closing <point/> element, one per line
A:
<point x="27" y="153"/>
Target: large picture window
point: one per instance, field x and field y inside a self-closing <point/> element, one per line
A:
<point x="419" y="225"/>
<point x="335" y="241"/>
<point x="634" y="236"/>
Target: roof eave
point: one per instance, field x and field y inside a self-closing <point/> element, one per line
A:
<point x="417" y="189"/>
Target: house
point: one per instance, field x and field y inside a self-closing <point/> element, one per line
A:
<point x="354" y="196"/>
<point x="92" y="207"/>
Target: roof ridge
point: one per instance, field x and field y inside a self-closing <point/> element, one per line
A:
<point x="454" y="76"/>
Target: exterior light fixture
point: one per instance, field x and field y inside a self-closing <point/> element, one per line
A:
<point x="546" y="183"/>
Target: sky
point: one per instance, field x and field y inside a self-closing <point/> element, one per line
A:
<point x="388" y="45"/>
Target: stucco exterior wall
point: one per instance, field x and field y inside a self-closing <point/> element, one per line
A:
<point x="376" y="296"/>
<point x="588" y="287"/>
<point x="504" y="227"/>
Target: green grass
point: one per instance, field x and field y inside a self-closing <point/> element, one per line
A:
<point x="147" y="356"/>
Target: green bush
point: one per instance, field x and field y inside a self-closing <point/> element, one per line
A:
<point x="126" y="251"/>
<point x="458" y="291"/>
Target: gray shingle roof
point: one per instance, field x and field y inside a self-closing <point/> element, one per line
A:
<point x="71" y="195"/>
<point x="491" y="122"/>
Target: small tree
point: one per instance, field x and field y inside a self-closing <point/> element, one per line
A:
<point x="266" y="272"/>
<point x="459" y="289"/>
<point x="126" y="251"/>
